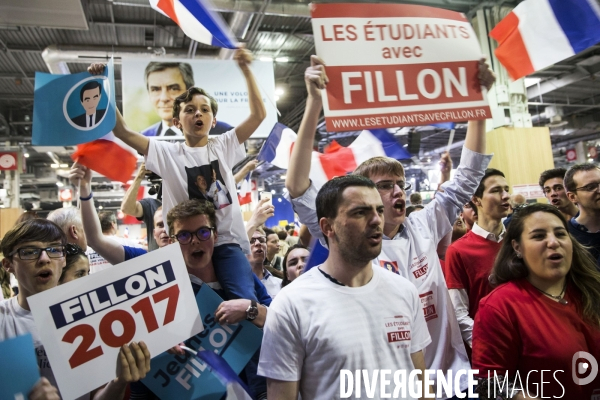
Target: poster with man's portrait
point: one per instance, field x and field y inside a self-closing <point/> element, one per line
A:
<point x="150" y="87"/>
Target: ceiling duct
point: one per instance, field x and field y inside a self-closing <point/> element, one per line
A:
<point x="57" y="57"/>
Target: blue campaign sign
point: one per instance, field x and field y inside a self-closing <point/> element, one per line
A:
<point x="19" y="370"/>
<point x="187" y="377"/>
<point x="73" y="109"/>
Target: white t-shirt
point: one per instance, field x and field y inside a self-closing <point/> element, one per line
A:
<point x="98" y="263"/>
<point x="412" y="253"/>
<point x="315" y="328"/>
<point x="17" y="321"/>
<point x="187" y="173"/>
<point x="272" y="283"/>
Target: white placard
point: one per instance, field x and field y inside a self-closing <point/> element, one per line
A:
<point x="220" y="78"/>
<point x="83" y="323"/>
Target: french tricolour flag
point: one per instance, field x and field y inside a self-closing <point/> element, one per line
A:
<point x="108" y="156"/>
<point x="539" y="33"/>
<point x="245" y="190"/>
<point x="197" y="20"/>
<point x="337" y="160"/>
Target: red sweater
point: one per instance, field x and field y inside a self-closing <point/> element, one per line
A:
<point x="469" y="262"/>
<point x="520" y="329"/>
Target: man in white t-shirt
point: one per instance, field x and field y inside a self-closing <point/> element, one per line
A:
<point x="34" y="251"/>
<point x="410" y="243"/>
<point x="344" y="314"/>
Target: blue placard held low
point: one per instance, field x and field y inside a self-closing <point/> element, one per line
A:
<point x="186" y="377"/>
<point x="73" y="109"/>
<point x="19" y="370"/>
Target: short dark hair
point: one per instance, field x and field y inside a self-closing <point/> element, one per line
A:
<point x="73" y="254"/>
<point x="89" y="86"/>
<point x="107" y="218"/>
<point x="570" y="174"/>
<point x="551" y="174"/>
<point x="416" y="198"/>
<point x="583" y="273"/>
<point x="282" y="235"/>
<point x="412" y="209"/>
<point x="330" y="196"/>
<point x="189" y="95"/>
<point x="269" y="231"/>
<point x="32" y="230"/>
<point x="488" y="173"/>
<point x="185" y="69"/>
<point x="285" y="281"/>
<point x="191" y="208"/>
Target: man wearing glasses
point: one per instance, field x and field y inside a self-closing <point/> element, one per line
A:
<point x="410" y="243"/>
<point x="583" y="188"/>
<point x="34" y="251"/>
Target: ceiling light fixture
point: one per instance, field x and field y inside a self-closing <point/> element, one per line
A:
<point x="282" y="59"/>
<point x="279" y="91"/>
<point x="54" y="165"/>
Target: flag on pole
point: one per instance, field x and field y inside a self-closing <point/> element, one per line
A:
<point x="337" y="160"/>
<point x="198" y="21"/>
<point x="278" y="147"/>
<point x="108" y="156"/>
<point x="539" y="33"/>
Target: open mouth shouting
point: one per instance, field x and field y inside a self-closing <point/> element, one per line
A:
<point x="44" y="275"/>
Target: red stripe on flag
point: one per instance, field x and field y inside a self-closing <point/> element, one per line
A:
<point x="511" y="51"/>
<point x="107" y="158"/>
<point x="351" y="10"/>
<point x="337" y="160"/>
<point x="247" y="199"/>
<point x="168" y="8"/>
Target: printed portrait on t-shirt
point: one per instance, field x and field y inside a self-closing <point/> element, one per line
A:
<point x="205" y="182"/>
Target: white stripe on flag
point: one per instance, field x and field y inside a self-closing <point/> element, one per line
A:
<point x="366" y="146"/>
<point x="190" y="25"/>
<point x="536" y="16"/>
<point x="282" y="153"/>
<point x="317" y="174"/>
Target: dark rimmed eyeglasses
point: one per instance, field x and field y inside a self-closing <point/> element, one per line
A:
<point x="185" y="237"/>
<point x="387" y="186"/>
<point x="72" y="249"/>
<point x="591" y="187"/>
<point x="260" y="239"/>
<point x="33" y="253"/>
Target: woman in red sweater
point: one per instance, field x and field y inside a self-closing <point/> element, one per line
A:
<point x="539" y="331"/>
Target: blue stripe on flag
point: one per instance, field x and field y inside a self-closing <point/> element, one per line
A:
<point x="202" y="10"/>
<point x="269" y="149"/>
<point x="579" y="20"/>
<point x="390" y="145"/>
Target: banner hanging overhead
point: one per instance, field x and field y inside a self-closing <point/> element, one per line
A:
<point x="393" y="65"/>
<point x="150" y="87"/>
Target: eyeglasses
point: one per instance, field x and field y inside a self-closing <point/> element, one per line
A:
<point x="260" y="239"/>
<point x="33" y="253"/>
<point x="185" y="237"/>
<point x="556" y="188"/>
<point x="386" y="186"/>
<point x="590" y="187"/>
<point x="73" y="249"/>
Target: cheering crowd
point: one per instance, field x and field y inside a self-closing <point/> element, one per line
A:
<point x="454" y="286"/>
